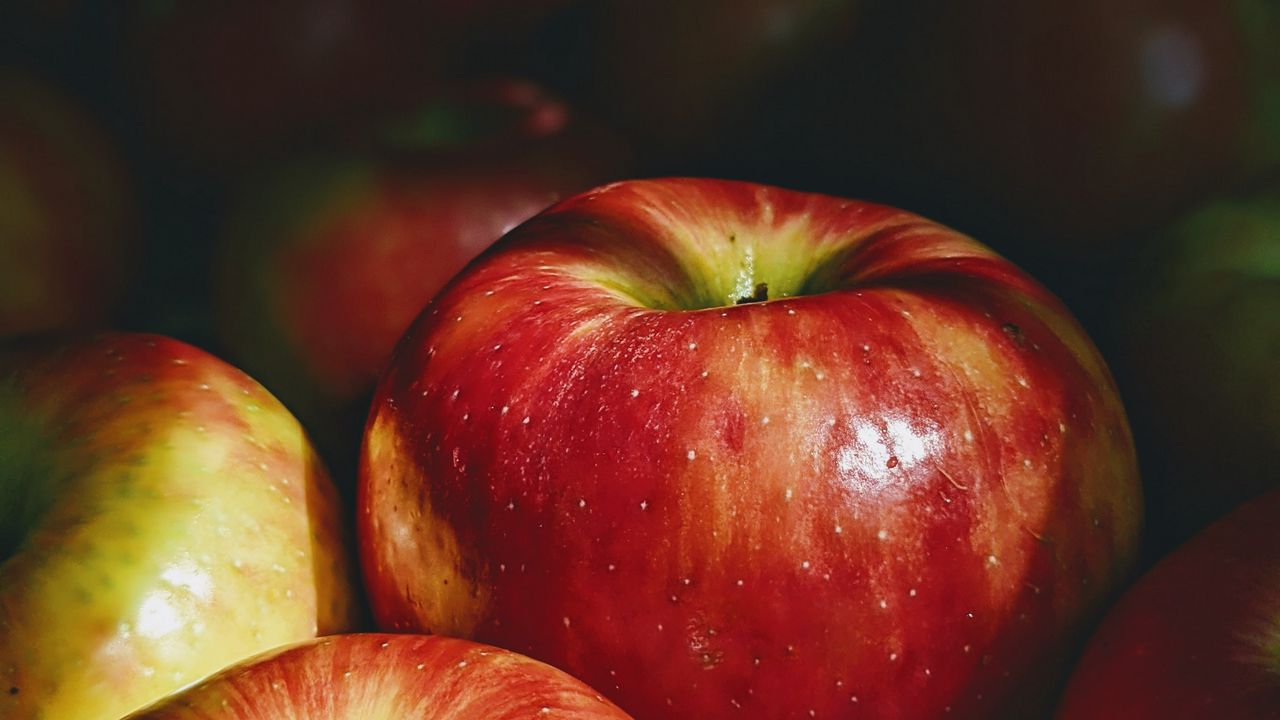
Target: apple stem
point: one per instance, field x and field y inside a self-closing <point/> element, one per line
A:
<point x="760" y="294"/>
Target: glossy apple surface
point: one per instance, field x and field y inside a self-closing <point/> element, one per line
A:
<point x="721" y="449"/>
<point x="1197" y="636"/>
<point x="327" y="261"/>
<point x="66" y="217"/>
<point x="386" y="677"/>
<point x="162" y="517"/>
<point x="1197" y="345"/>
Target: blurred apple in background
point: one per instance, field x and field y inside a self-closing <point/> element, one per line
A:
<point x="326" y="262"/>
<point x="68" y="234"/>
<point x="1061" y="131"/>
<point x="1197" y="350"/>
<point x="687" y="80"/>
<point x="724" y="450"/>
<point x="228" y="82"/>
<point x="1196" y="637"/>
<point x="387" y="677"/>
<point x="161" y="516"/>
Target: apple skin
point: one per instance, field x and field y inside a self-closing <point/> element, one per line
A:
<point x="1197" y="636"/>
<point x="1196" y="343"/>
<point x="901" y="485"/>
<point x="67" y="228"/>
<point x="386" y="677"/>
<point x="163" y="517"/>
<point x="327" y="261"/>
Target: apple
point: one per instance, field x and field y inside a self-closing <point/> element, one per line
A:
<point x="1196" y="341"/>
<point x="1066" y="131"/>
<point x="1197" y="636"/>
<point x="301" y="69"/>
<point x="67" y="231"/>
<point x="327" y="260"/>
<point x="721" y="449"/>
<point x="386" y="677"/>
<point x="686" y="78"/>
<point x="161" y="516"/>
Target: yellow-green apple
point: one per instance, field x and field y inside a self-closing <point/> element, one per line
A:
<point x="1197" y="342"/>
<point x="66" y="218"/>
<point x="386" y="677"/>
<point x="161" y="516"/>
<point x="328" y="260"/>
<point x="1198" y="636"/>
<point x="722" y="449"/>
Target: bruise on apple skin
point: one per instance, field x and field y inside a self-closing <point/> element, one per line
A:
<point x="863" y="494"/>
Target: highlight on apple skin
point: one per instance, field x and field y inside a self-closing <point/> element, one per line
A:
<point x="721" y="450"/>
<point x="161" y="516"/>
<point x="387" y="677"/>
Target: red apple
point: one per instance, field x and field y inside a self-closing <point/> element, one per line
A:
<point x="66" y="219"/>
<point x="328" y="260"/>
<point x="161" y="516"/>
<point x="1197" y="636"/>
<point x="724" y="450"/>
<point x="1197" y="342"/>
<point x="386" y="677"/>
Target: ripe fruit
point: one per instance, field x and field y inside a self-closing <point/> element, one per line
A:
<point x="161" y="516"/>
<point x="723" y="449"/>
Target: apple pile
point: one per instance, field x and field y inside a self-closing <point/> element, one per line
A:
<point x="599" y="359"/>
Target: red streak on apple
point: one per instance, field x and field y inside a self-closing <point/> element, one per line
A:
<point x="898" y="486"/>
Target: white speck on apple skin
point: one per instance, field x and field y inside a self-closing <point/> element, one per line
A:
<point x="693" y="346"/>
<point x="882" y="534"/>
<point x="644" y="504"/>
<point x="635" y="392"/>
<point x="968" y="436"/>
<point x="692" y="454"/>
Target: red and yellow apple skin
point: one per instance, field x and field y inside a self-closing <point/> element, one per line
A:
<point x="387" y="677"/>
<point x="163" y="517"/>
<point x="897" y="487"/>
<point x="66" y="216"/>
<point x="1198" y="636"/>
